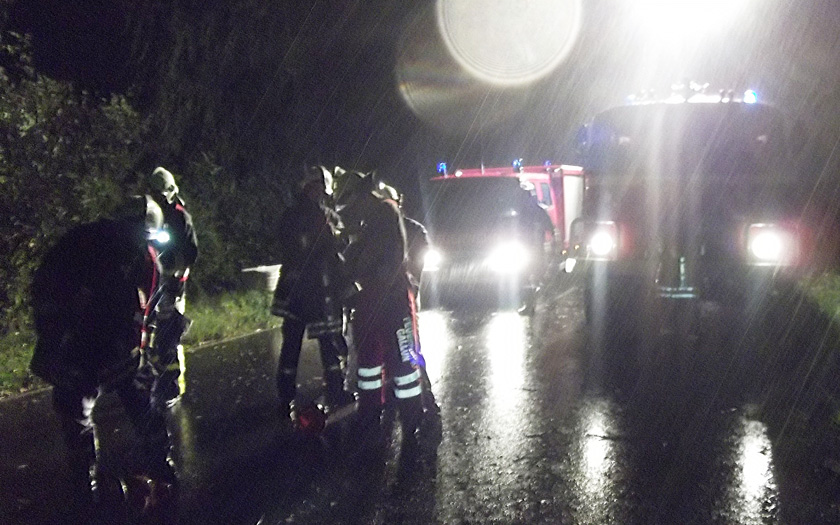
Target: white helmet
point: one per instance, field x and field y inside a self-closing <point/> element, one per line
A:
<point x="163" y="182"/>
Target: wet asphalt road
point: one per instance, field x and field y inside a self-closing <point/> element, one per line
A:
<point x="538" y="426"/>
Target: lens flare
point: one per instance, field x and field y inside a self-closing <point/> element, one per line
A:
<point x="505" y="42"/>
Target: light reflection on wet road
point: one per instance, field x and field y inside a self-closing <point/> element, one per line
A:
<point x="521" y="446"/>
<point x="534" y="431"/>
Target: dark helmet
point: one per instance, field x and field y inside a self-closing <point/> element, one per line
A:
<point x="317" y="174"/>
<point x="163" y="182"/>
<point x="349" y="184"/>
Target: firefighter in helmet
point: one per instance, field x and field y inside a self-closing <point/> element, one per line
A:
<point x="308" y="293"/>
<point x="416" y="236"/>
<point x="88" y="298"/>
<point x="384" y="320"/>
<point x="417" y="244"/>
<point x="178" y="249"/>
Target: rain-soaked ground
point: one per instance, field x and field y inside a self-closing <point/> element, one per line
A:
<point x="537" y="427"/>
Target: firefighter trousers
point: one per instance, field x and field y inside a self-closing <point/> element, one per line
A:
<point x="385" y="331"/>
<point x="74" y="405"/>
<point x="168" y="324"/>
<point x="332" y="346"/>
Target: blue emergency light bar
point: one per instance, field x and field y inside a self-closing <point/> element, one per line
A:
<point x="441" y="168"/>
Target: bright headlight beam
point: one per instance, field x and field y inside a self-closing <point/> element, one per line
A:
<point x="432" y="260"/>
<point x="676" y="20"/>
<point x="601" y="244"/>
<point x="768" y="246"/>
<point x="509" y="257"/>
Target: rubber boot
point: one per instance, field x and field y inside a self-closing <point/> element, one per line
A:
<point x="152" y="492"/>
<point x="166" y="392"/>
<point x="366" y="439"/>
<point x="337" y="397"/>
<point x="411" y="417"/>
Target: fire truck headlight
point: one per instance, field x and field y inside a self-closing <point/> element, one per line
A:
<point x="508" y="257"/>
<point x="432" y="260"/>
<point x="770" y="244"/>
<point x="767" y="246"/>
<point x="602" y="243"/>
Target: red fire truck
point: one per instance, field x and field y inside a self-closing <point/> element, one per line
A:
<point x="494" y="231"/>
<point x="699" y="198"/>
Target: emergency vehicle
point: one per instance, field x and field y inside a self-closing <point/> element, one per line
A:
<point x="698" y="197"/>
<point x="494" y="231"/>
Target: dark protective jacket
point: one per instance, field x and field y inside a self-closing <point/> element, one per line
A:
<point x="88" y="296"/>
<point x="311" y="274"/>
<point x="181" y="251"/>
<point x="376" y="259"/>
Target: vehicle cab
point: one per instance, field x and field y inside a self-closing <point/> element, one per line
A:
<point x="493" y="232"/>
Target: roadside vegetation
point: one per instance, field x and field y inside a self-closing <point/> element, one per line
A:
<point x="825" y="291"/>
<point x="69" y="156"/>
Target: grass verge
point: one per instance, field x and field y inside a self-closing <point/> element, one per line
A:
<point x="825" y="290"/>
<point x="214" y="319"/>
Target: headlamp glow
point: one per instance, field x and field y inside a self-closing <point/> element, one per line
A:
<point x="159" y="236"/>
<point x="602" y="243"/>
<point x="772" y="244"/>
<point x="508" y="257"/>
<point x="432" y="260"/>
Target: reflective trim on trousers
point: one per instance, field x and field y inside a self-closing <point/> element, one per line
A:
<point x="370" y="372"/>
<point x="406" y="379"/>
<point x="376" y="384"/>
<point x="408" y="392"/>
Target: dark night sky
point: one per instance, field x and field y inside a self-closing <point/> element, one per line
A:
<point x="787" y="50"/>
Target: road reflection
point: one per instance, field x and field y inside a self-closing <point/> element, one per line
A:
<point x="506" y="340"/>
<point x="435" y="339"/>
<point x="754" y="496"/>
<point x="594" y="466"/>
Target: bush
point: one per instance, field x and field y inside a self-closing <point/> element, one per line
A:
<point x="66" y="157"/>
<point x="825" y="290"/>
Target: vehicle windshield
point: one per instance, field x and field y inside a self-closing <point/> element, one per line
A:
<point x="715" y="141"/>
<point x="472" y="204"/>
